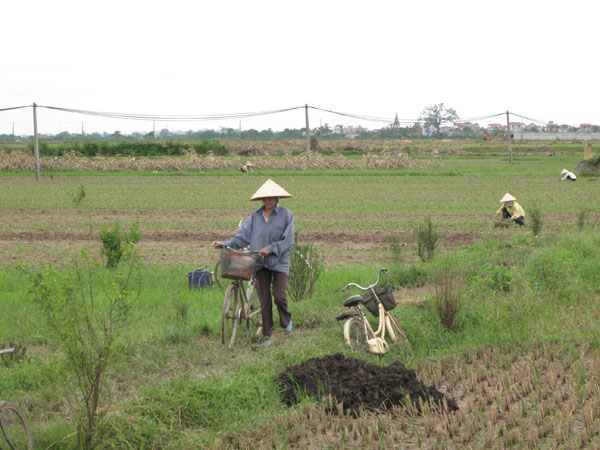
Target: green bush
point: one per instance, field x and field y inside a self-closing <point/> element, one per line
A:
<point x="448" y="294"/>
<point x="306" y="266"/>
<point x="427" y="238"/>
<point x="536" y="221"/>
<point x="79" y="195"/>
<point x="210" y="145"/>
<point x="85" y="310"/>
<point x="396" y="251"/>
<point x="116" y="242"/>
<point x="401" y="275"/>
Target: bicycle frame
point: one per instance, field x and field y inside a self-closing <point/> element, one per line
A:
<point x="376" y="343"/>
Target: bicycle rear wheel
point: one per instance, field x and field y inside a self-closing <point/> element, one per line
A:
<point x="230" y="315"/>
<point x="356" y="334"/>
<point x="397" y="334"/>
<point x="14" y="427"/>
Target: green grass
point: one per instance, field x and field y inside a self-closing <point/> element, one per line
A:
<point x="173" y="385"/>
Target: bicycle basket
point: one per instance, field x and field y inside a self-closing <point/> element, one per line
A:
<point x="386" y="296"/>
<point x="237" y="265"/>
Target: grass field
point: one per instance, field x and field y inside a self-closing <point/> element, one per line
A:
<point x="522" y="363"/>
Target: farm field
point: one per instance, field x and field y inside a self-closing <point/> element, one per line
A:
<point x="342" y="215"/>
<point x="522" y="365"/>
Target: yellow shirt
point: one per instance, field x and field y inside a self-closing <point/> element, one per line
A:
<point x="515" y="210"/>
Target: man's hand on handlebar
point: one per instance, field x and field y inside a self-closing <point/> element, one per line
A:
<point x="264" y="252"/>
<point x="216" y="244"/>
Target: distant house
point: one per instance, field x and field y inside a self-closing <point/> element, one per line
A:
<point x="516" y="126"/>
<point x="351" y="134"/>
<point x="463" y="125"/>
<point x="532" y="127"/>
<point x="586" y="127"/>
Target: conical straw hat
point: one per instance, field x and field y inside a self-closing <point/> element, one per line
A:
<point x="507" y="198"/>
<point x="270" y="189"/>
<point x="564" y="171"/>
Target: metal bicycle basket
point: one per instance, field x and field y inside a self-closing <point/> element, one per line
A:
<point x="386" y="297"/>
<point x="236" y="264"/>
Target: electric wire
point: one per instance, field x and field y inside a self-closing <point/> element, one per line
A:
<point x="16" y="107"/>
<point x="529" y="118"/>
<point x="173" y="118"/>
<point x="356" y="116"/>
<point x="242" y="115"/>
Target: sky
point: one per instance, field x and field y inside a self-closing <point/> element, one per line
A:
<point x="538" y="59"/>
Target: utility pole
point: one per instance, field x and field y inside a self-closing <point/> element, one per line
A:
<point x="14" y="131"/>
<point x="320" y="129"/>
<point x="307" y="132"/>
<point x="509" y="137"/>
<point x="240" y="130"/>
<point x="36" y="150"/>
<point x="82" y="130"/>
<point x="154" y="129"/>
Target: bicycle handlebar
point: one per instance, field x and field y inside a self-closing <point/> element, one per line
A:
<point x="251" y="253"/>
<point x="382" y="270"/>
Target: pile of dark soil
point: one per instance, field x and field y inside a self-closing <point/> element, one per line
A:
<point x="357" y="383"/>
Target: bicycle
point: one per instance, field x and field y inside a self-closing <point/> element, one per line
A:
<point x="13" y="424"/>
<point x="358" y="333"/>
<point x="240" y="304"/>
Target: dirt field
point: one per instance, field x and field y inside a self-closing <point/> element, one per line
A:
<point x="190" y="247"/>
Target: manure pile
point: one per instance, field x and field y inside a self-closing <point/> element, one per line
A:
<point x="355" y="383"/>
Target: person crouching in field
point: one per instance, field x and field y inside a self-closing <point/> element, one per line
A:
<point x="511" y="210"/>
<point x="270" y="231"/>
<point x="246" y="167"/>
<point x="567" y="175"/>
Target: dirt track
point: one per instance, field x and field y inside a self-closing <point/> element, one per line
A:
<point x="193" y="246"/>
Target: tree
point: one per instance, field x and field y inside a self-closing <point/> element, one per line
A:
<point x="435" y="115"/>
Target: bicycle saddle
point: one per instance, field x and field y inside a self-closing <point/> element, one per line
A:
<point x="352" y="301"/>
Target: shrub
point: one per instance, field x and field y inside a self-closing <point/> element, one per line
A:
<point x="209" y="145"/>
<point x="79" y="194"/>
<point x="408" y="275"/>
<point x="536" y="221"/>
<point x="427" y="238"/>
<point x="116" y="242"/>
<point x="448" y="294"/>
<point x="495" y="277"/>
<point x="85" y="311"/>
<point x="396" y="251"/>
<point x="306" y="266"/>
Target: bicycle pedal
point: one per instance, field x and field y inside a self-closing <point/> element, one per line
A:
<point x="346" y="315"/>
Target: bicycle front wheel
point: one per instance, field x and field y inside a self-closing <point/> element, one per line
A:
<point x="216" y="274"/>
<point x="14" y="427"/>
<point x="397" y="334"/>
<point x="230" y="315"/>
<point x="356" y="334"/>
<point x="253" y="305"/>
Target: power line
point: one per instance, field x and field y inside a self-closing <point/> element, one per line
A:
<point x="173" y="118"/>
<point x="242" y="115"/>
<point x="529" y="118"/>
<point x="356" y="116"/>
<point x="15" y="107"/>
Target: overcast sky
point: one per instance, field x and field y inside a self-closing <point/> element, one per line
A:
<point x="378" y="58"/>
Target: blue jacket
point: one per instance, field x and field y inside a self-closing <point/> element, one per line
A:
<point x="276" y="235"/>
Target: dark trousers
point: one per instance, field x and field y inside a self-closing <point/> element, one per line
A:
<point x="265" y="280"/>
<point x="506" y="215"/>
